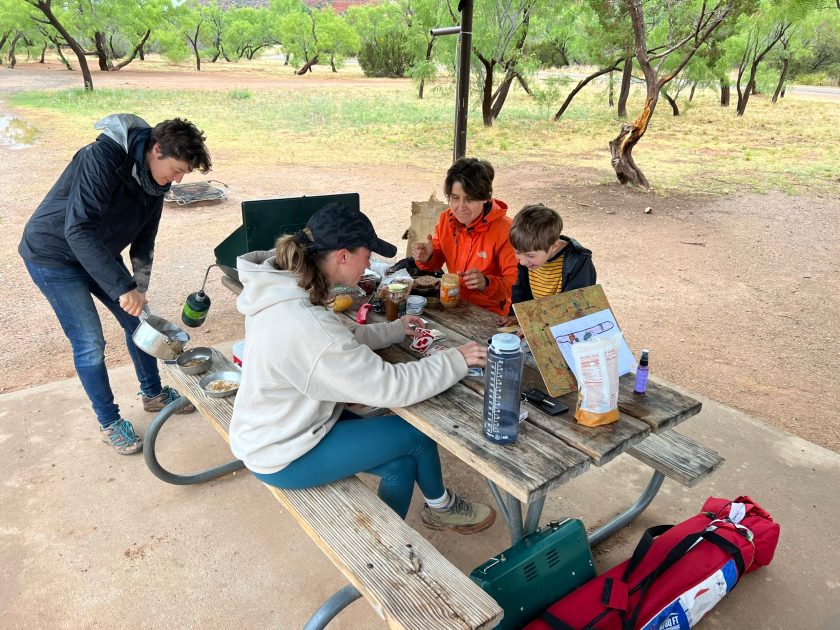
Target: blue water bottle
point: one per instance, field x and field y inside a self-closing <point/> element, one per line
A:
<point x="502" y="386"/>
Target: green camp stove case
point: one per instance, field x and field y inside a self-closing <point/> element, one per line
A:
<point x="537" y="571"/>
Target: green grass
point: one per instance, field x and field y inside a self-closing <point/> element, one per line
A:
<point x="773" y="147"/>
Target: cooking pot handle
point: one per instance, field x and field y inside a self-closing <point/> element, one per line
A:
<point x="144" y="313"/>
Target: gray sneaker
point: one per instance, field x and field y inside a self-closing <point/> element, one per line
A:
<point x="121" y="436"/>
<point x="462" y="516"/>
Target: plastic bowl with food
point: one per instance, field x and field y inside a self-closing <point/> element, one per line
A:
<point x="220" y="384"/>
<point x="195" y="361"/>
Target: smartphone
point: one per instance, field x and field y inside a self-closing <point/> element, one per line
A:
<point x="545" y="403"/>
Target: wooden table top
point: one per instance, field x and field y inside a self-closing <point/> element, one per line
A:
<point x="551" y="449"/>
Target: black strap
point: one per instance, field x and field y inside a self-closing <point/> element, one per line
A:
<point x="554" y="623"/>
<point x="676" y="553"/>
<point x="642" y="549"/>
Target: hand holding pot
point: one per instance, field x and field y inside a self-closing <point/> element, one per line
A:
<point x="132" y="302"/>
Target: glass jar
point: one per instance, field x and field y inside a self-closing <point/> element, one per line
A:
<point x="395" y="302"/>
<point x="450" y="290"/>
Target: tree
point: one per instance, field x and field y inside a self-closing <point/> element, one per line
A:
<point x="189" y="19"/>
<point x="50" y="18"/>
<point x="683" y="32"/>
<point x="499" y="34"/>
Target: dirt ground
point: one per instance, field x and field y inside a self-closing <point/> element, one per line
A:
<point x="736" y="296"/>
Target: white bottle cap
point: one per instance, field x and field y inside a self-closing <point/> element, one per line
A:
<point x="505" y="342"/>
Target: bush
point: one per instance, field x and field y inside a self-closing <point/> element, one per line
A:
<point x="386" y="56"/>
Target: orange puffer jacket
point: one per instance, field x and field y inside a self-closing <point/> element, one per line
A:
<point x="483" y="245"/>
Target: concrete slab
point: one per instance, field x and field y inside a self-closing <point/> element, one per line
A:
<point x="89" y="538"/>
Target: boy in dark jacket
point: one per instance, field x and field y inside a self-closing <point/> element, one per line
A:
<point x="549" y="263"/>
<point x="108" y="198"/>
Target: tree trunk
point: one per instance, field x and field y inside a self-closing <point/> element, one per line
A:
<point x="624" y="92"/>
<point x="782" y="77"/>
<point x="782" y="95"/>
<point x="691" y="93"/>
<point x="137" y="48"/>
<point x="428" y="57"/>
<point x="621" y="149"/>
<point x="581" y="84"/>
<point x="502" y="93"/>
<point x="142" y="52"/>
<point x="44" y="6"/>
<point x="114" y="54"/>
<point x="524" y="84"/>
<point x="43" y="53"/>
<point x="487" y="91"/>
<point x="332" y="63"/>
<point x="61" y="54"/>
<point x="610" y="94"/>
<point x="3" y="41"/>
<point x="671" y="102"/>
<point x="744" y="97"/>
<point x="12" y="46"/>
<point x="724" y="93"/>
<point x="307" y="67"/>
<point x="101" y="54"/>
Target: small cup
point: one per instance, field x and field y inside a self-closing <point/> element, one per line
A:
<point x="415" y="305"/>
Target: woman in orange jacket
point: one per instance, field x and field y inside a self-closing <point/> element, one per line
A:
<point x="471" y="238"/>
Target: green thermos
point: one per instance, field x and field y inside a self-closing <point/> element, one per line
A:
<point x="195" y="308"/>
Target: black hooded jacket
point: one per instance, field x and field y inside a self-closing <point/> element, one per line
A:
<point x="97" y="208"/>
<point x="578" y="271"/>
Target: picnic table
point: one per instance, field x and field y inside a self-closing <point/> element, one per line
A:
<point x="551" y="450"/>
<point x="377" y="551"/>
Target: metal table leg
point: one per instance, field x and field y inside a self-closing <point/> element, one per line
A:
<point x="159" y="471"/>
<point x="511" y="511"/>
<point x="330" y="608"/>
<point x="629" y="515"/>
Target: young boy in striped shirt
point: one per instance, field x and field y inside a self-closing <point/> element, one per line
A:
<point x="549" y="263"/>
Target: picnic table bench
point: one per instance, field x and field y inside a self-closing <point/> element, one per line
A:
<point x="402" y="576"/>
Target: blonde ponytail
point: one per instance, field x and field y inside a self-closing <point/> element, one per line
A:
<point x="294" y="252"/>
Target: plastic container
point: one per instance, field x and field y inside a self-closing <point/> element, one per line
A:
<point x="395" y="302"/>
<point x="450" y="290"/>
<point x="415" y="304"/>
<point x="502" y="389"/>
<point x="238" y="352"/>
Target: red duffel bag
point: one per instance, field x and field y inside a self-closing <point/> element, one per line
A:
<point x="676" y="574"/>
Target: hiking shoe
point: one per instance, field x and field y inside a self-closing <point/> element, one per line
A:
<point x="462" y="516"/>
<point x="166" y="396"/>
<point x="121" y="436"/>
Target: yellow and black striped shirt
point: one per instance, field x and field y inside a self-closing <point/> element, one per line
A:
<point x="547" y="279"/>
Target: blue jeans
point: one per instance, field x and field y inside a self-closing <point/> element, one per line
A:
<point x="385" y="446"/>
<point x="70" y="292"/>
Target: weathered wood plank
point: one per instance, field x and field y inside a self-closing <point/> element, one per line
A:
<point x="677" y="457"/>
<point x="406" y="580"/>
<point x="662" y="408"/>
<point x="527" y="470"/>
<point x="600" y="444"/>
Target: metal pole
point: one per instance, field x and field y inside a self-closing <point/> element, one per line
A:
<point x="463" y="78"/>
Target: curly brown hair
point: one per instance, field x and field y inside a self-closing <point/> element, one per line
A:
<point x="180" y="139"/>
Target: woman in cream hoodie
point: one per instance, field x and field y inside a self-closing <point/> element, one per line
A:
<point x="301" y="363"/>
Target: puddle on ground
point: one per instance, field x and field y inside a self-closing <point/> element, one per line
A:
<point x="17" y="133"/>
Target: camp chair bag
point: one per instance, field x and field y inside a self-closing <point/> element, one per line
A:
<point x="676" y="574"/>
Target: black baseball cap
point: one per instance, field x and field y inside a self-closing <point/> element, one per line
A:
<point x="338" y="226"/>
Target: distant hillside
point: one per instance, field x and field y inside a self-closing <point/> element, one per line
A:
<point x="337" y="5"/>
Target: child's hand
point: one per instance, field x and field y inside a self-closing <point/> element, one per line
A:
<point x="510" y="320"/>
<point x="474" y="280"/>
<point x="422" y="251"/>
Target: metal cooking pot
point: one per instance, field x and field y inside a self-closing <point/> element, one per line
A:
<point x="159" y="337"/>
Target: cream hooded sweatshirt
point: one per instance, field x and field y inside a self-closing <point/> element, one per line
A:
<point x="302" y="363"/>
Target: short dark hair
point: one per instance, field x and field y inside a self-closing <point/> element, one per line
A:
<point x="474" y="175"/>
<point x="180" y="139"/>
<point x="535" y="228"/>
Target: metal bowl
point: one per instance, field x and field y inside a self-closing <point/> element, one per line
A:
<point x="206" y="383"/>
<point x="204" y="355"/>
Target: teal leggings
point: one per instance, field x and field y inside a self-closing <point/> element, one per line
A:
<point x="385" y="446"/>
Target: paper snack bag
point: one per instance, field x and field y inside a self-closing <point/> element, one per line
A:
<point x="596" y="368"/>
